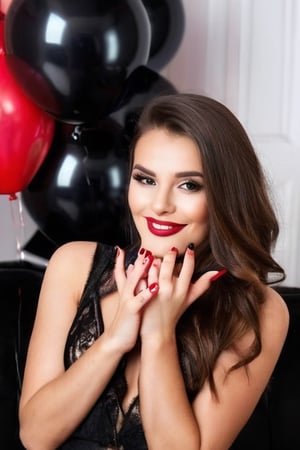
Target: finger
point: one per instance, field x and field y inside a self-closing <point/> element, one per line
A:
<point x="140" y="267"/>
<point x="147" y="261"/>
<point x="153" y="272"/>
<point x="147" y="294"/>
<point x="168" y="265"/>
<point x="188" y="265"/>
<point x="119" y="272"/>
<point x="201" y="286"/>
<point x="129" y="269"/>
<point x="142" y="284"/>
<point x="129" y="279"/>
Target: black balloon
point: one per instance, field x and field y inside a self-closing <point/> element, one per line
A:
<point x="79" y="192"/>
<point x="167" y="19"/>
<point x="142" y="85"/>
<point x="73" y="57"/>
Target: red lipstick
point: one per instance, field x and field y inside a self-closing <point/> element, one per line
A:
<point x="162" y="228"/>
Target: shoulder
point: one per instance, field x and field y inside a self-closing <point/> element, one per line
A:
<point x="70" y="264"/>
<point x="72" y="256"/>
<point x="82" y="249"/>
<point x="274" y="323"/>
<point x="239" y="390"/>
<point x="274" y="320"/>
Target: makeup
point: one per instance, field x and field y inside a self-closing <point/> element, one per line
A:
<point x="163" y="228"/>
<point x="218" y="275"/>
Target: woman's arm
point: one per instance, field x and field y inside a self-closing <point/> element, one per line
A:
<point x="209" y="424"/>
<point x="55" y="401"/>
<point x="221" y="420"/>
<point x="52" y="403"/>
<point x="168" y="418"/>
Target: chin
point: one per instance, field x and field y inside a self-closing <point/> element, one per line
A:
<point x="160" y="250"/>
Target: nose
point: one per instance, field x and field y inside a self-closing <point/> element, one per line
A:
<point x="163" y="201"/>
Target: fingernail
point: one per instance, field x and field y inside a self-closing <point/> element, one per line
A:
<point x="218" y="275"/>
<point x="174" y="249"/>
<point x="153" y="288"/>
<point x="148" y="258"/>
<point x="142" y="251"/>
<point x="190" y="249"/>
<point x="148" y="253"/>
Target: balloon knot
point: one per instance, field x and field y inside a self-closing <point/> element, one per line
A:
<point x="12" y="197"/>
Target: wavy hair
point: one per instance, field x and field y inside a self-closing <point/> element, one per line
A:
<point x="242" y="233"/>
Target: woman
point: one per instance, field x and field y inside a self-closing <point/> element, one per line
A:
<point x="171" y="343"/>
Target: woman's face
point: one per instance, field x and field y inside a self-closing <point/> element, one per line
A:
<point x="166" y="195"/>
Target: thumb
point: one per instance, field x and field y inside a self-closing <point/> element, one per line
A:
<point x="203" y="283"/>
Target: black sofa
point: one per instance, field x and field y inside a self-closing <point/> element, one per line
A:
<point x="273" y="425"/>
<point x="20" y="284"/>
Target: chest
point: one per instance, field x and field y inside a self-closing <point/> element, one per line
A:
<point x="109" y="310"/>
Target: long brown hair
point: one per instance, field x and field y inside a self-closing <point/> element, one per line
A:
<point x="243" y="231"/>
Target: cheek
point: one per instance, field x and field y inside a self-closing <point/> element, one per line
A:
<point x="204" y="215"/>
<point x="197" y="211"/>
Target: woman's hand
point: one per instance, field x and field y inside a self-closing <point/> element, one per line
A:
<point x="134" y="294"/>
<point x="176" y="293"/>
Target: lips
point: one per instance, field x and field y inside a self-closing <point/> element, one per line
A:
<point x="162" y="228"/>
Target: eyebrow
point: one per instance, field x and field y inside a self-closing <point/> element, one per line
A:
<point x="188" y="173"/>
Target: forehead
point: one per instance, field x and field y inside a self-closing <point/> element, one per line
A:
<point x="161" y="148"/>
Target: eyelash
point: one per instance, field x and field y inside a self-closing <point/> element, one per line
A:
<point x="195" y="187"/>
<point x="142" y="178"/>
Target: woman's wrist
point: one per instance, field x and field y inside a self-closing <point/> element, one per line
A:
<point x="112" y="346"/>
<point x="159" y="341"/>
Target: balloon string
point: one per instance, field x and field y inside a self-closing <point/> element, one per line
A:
<point x="16" y="209"/>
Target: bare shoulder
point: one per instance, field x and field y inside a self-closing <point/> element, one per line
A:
<point x="274" y="320"/>
<point x="77" y="249"/>
<point x="274" y="323"/>
<point x="78" y="253"/>
<point x="239" y="390"/>
<point x="70" y="265"/>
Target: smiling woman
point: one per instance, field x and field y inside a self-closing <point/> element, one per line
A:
<point x="163" y="343"/>
<point x="166" y="193"/>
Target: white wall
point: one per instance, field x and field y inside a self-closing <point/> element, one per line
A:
<point x="16" y="228"/>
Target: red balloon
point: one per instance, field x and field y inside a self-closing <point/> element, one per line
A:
<point x="4" y="5"/>
<point x="26" y="132"/>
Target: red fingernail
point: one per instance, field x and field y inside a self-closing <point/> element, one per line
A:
<point x="218" y="275"/>
<point x="148" y="258"/>
<point x="142" y="251"/>
<point x="148" y="253"/>
<point x="174" y="249"/>
<point x="153" y="288"/>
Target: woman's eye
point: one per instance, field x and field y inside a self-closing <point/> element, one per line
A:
<point x="191" y="186"/>
<point x="143" y="179"/>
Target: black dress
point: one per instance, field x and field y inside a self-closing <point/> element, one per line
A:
<point x="101" y="429"/>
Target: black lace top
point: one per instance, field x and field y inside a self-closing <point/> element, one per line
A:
<point x="102" y="428"/>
